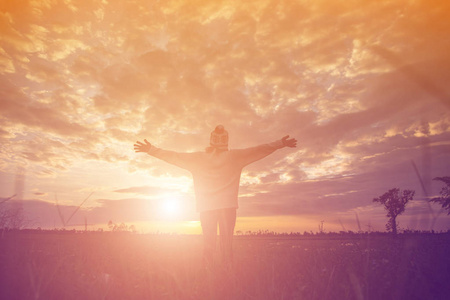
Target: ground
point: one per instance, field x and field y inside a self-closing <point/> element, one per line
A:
<point x="90" y="265"/>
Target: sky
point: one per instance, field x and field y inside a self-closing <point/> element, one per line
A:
<point x="362" y="85"/>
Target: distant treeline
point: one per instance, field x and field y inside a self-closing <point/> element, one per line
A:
<point x="259" y="233"/>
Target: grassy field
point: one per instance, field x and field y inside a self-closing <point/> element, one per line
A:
<point x="130" y="266"/>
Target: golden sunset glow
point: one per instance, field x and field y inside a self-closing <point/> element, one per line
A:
<point x="362" y="85"/>
<point x="171" y="207"/>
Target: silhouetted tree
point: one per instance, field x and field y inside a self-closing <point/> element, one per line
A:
<point x="444" y="199"/>
<point x="11" y="214"/>
<point x="122" y="227"/>
<point x="394" y="202"/>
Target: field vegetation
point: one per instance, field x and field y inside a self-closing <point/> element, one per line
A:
<point x="122" y="265"/>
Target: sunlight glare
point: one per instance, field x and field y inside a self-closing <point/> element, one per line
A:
<point x="170" y="207"/>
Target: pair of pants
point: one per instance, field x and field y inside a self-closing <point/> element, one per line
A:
<point x="226" y="219"/>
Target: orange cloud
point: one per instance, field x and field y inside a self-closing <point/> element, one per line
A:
<point x="81" y="81"/>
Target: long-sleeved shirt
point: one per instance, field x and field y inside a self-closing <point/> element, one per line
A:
<point x="216" y="174"/>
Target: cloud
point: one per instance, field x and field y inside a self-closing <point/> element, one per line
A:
<point x="131" y="210"/>
<point x="18" y="108"/>
<point x="143" y="190"/>
<point x="81" y="81"/>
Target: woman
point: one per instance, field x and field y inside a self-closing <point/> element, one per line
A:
<point x="216" y="173"/>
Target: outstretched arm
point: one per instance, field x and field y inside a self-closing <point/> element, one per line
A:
<point x="182" y="160"/>
<point x="250" y="155"/>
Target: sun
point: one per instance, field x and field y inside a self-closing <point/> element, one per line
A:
<point x="170" y="207"/>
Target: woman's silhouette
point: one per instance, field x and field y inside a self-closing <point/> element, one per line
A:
<point x="216" y="173"/>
